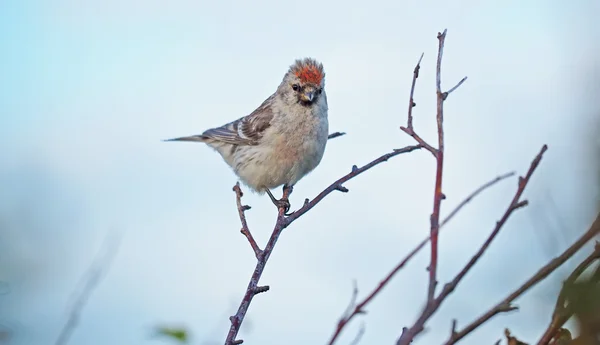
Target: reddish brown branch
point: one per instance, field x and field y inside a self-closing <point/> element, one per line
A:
<point x="253" y="288"/>
<point x="241" y="211"/>
<point x="506" y="304"/>
<point x="438" y="153"/>
<point x="432" y="306"/>
<point x="562" y="312"/>
<point x="473" y="195"/>
<point x="355" y="309"/>
<point x="282" y="223"/>
<point x="439" y="157"/>
<point x="338" y="185"/>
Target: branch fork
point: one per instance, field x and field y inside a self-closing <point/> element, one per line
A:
<point x="282" y="222"/>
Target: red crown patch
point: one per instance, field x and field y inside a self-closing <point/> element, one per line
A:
<point x="309" y="74"/>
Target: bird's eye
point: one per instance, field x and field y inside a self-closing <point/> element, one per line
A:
<point x="319" y="91"/>
<point x="296" y="87"/>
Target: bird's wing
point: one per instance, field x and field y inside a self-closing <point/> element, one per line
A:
<point x="247" y="130"/>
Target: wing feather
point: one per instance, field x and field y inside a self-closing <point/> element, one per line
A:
<point x="247" y="130"/>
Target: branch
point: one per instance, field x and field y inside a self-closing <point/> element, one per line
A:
<point x="473" y="195"/>
<point x="410" y="333"/>
<point x="253" y="288"/>
<point x="241" y="211"/>
<point x="359" y="308"/>
<point x="438" y="154"/>
<point x="563" y="310"/>
<point x="506" y="304"/>
<point x="90" y="281"/>
<point x="361" y="332"/>
<point x="438" y="194"/>
<point x="411" y="104"/>
<point x="282" y="223"/>
<point x="337" y="185"/>
<point x="335" y="135"/>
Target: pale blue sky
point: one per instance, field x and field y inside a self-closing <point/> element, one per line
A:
<point x="88" y="89"/>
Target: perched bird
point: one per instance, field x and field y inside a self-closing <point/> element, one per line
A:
<point x="283" y="139"/>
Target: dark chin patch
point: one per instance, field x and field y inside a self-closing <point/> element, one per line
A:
<point x="306" y="103"/>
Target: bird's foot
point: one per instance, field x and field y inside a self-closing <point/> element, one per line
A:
<point x="282" y="203"/>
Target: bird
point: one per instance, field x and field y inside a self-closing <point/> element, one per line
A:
<point x="283" y="139"/>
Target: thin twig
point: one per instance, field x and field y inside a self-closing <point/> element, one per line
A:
<point x="335" y="135"/>
<point x="506" y="303"/>
<point x="352" y="303"/>
<point x="409" y="334"/>
<point x="90" y="281"/>
<point x="563" y="311"/>
<point x="447" y="93"/>
<point x="359" y="335"/>
<point x="411" y="102"/>
<point x="245" y="230"/>
<point x="473" y="195"/>
<point x="359" y="308"/>
<point x="337" y="185"/>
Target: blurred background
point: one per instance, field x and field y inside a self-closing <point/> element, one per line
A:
<point x="88" y="89"/>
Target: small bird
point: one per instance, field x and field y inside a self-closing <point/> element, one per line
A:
<point x="283" y="139"/>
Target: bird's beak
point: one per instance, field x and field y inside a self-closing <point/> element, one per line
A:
<point x="309" y="95"/>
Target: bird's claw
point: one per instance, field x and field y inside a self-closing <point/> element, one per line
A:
<point x="283" y="204"/>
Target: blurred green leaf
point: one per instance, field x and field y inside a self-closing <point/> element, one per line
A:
<point x="180" y="335"/>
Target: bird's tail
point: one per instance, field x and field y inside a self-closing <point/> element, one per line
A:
<point x="197" y="138"/>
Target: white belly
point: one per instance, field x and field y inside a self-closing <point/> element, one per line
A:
<point x="285" y="158"/>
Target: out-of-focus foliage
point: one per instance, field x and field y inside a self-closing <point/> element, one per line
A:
<point x="512" y="340"/>
<point x="179" y="335"/>
<point x="584" y="298"/>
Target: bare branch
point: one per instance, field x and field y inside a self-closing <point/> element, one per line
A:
<point x="352" y="303"/>
<point x="447" y="93"/>
<point x="253" y="288"/>
<point x="411" y="102"/>
<point x="540" y="275"/>
<point x="359" y="309"/>
<point x="473" y="195"/>
<point x="438" y="194"/>
<point x="90" y="281"/>
<point x="352" y="174"/>
<point x="361" y="332"/>
<point x="241" y="211"/>
<point x="282" y="223"/>
<point x="438" y="154"/>
<point x="408" y="336"/>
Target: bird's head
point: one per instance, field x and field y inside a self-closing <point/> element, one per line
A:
<point x="304" y="83"/>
